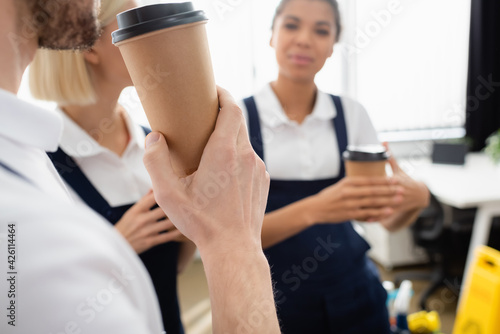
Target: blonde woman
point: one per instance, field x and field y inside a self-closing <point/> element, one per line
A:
<point x="101" y="151"/>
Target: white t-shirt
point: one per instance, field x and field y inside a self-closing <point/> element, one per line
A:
<point x="121" y="180"/>
<point x="72" y="272"/>
<point x="309" y="150"/>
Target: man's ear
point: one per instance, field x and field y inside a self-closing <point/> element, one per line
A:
<point x="91" y="56"/>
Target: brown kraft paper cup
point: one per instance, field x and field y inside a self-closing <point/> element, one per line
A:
<point x="365" y="161"/>
<point x="172" y="71"/>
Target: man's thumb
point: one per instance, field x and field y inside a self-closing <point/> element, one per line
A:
<point x="158" y="164"/>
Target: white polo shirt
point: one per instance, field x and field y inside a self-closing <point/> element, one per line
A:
<point x="21" y="128"/>
<point x="120" y="180"/>
<point x="72" y="272"/>
<point x="309" y="150"/>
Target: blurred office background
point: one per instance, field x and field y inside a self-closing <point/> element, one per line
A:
<point x="404" y="60"/>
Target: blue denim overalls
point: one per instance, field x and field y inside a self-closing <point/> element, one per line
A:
<point x="324" y="282"/>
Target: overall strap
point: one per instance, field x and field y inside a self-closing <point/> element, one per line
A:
<point x="146" y="130"/>
<point x="16" y="173"/>
<point x="256" y="135"/>
<point x="254" y="126"/>
<point x="69" y="170"/>
<point x="73" y="175"/>
<point x="341" y="130"/>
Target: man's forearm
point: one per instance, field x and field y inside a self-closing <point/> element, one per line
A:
<point x="186" y="254"/>
<point x="240" y="292"/>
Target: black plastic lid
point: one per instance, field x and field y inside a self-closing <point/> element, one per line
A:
<point x="142" y="20"/>
<point x="366" y="153"/>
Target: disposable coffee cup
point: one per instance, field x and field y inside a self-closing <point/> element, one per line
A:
<point x="367" y="160"/>
<point x="166" y="52"/>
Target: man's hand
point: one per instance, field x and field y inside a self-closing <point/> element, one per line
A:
<point x="221" y="209"/>
<point x="224" y="201"/>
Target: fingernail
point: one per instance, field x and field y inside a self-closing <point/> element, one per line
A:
<point x="152" y="138"/>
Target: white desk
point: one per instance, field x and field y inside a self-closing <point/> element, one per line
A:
<point x="476" y="184"/>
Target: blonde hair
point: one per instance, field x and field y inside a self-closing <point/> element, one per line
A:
<point x="63" y="76"/>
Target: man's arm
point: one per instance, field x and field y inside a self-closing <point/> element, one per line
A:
<point x="186" y="254"/>
<point x="221" y="208"/>
<point x="240" y="292"/>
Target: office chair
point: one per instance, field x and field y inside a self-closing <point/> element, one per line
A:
<point x="446" y="242"/>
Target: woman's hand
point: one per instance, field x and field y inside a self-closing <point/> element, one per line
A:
<point x="415" y="194"/>
<point x="360" y="198"/>
<point x="416" y="197"/>
<point x="145" y="228"/>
